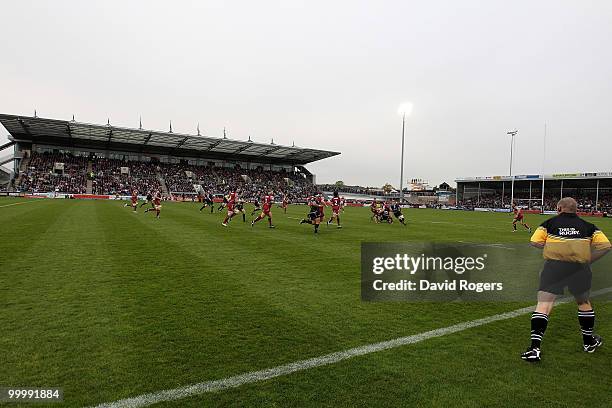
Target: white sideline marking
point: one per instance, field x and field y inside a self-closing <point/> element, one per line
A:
<point x="488" y="245"/>
<point x="21" y="202"/>
<point x="301" y="365"/>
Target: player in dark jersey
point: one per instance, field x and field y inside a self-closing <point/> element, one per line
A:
<point x="315" y="215"/>
<point x="385" y="214"/>
<point x="239" y="208"/>
<point x="257" y="207"/>
<point x="208" y="201"/>
<point x="336" y="203"/>
<point x="149" y="200"/>
<point x="518" y="217"/>
<point x="396" y="209"/>
<point x="224" y="203"/>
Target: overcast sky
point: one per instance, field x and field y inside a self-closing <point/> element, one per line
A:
<point x="330" y="74"/>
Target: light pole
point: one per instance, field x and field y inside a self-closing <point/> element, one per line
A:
<point x="512" y="134"/>
<point x="405" y="109"/>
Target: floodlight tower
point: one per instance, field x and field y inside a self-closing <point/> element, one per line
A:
<point x="405" y="109"/>
<point x="512" y="134"/>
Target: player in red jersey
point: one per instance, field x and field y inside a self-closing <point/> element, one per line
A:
<point x="268" y="201"/>
<point x="518" y="217"/>
<point x="285" y="203"/>
<point x="134" y="200"/>
<point x="375" y="211"/>
<point x="336" y="203"/>
<point x="321" y="204"/>
<point x="231" y="204"/>
<point x="156" y="204"/>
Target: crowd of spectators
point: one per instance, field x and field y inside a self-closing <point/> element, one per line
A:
<point x="585" y="203"/>
<point x="252" y="183"/>
<point x="42" y="175"/>
<point x="349" y="189"/>
<point x="115" y="176"/>
<point x="108" y="178"/>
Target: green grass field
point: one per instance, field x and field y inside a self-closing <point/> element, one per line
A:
<point x="109" y="305"/>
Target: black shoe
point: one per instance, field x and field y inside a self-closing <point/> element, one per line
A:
<point x="272" y="226"/>
<point x="532" y="355"/>
<point x="302" y="222"/>
<point x="597" y="342"/>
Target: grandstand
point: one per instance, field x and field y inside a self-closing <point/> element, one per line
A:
<point x="69" y="157"/>
<point x="593" y="191"/>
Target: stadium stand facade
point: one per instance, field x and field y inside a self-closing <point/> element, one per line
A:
<point x="69" y="157"/>
<point x="593" y="191"/>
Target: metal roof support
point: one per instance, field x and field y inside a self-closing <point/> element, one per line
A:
<point x="212" y="146"/>
<point x="24" y="126"/>
<point x="110" y="136"/>
<point x="182" y="142"/>
<point x="178" y="145"/>
<point x="147" y="138"/>
<point x="241" y="149"/>
<point x="6" y="145"/>
<point x="267" y="152"/>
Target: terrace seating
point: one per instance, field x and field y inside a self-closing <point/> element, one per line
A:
<point x="40" y="175"/>
<point x="108" y="178"/>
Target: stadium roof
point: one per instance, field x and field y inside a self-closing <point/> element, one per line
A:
<point x="109" y="137"/>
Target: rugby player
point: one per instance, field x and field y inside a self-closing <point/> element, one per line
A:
<point x="149" y="200"/>
<point x="336" y="204"/>
<point x="239" y="208"/>
<point x="570" y="246"/>
<point x="375" y="211"/>
<point x="133" y="200"/>
<point x="518" y="217"/>
<point x="396" y="209"/>
<point x="230" y="204"/>
<point x="285" y="203"/>
<point x="257" y="207"/>
<point x="314" y="216"/>
<point x="224" y="203"/>
<point x="385" y="214"/>
<point x="268" y="202"/>
<point x="209" y="201"/>
<point x="156" y="204"/>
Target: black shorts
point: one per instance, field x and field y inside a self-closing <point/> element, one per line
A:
<point x="313" y="215"/>
<point x="556" y="275"/>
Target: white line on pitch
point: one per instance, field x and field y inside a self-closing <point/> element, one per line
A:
<point x="488" y="245"/>
<point x="21" y="202"/>
<point x="256" y="376"/>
